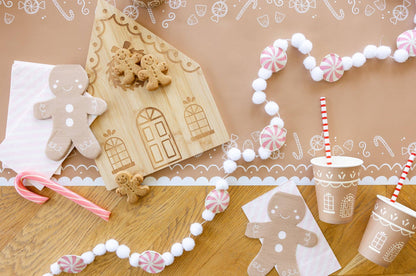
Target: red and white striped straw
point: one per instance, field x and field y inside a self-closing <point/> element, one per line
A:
<point x="326" y="132"/>
<point x="24" y="192"/>
<point x="403" y="177"/>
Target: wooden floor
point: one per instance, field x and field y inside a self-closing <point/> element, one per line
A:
<point x="33" y="236"/>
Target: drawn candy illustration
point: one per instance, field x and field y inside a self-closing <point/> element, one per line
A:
<point x="273" y="58"/>
<point x="332" y="67"/>
<point x="408" y="150"/>
<point x="192" y="20"/>
<point x="217" y="201"/>
<point x="316" y="143"/>
<point x="219" y="9"/>
<point x="400" y="12"/>
<point x="263" y="21"/>
<point x="200" y="10"/>
<point x="176" y="4"/>
<point x="407" y="41"/>
<point x="302" y="6"/>
<point x="131" y="11"/>
<point x="369" y="10"/>
<point x="279" y="17"/>
<point x="151" y="262"/>
<point x="272" y="137"/>
<point x="71" y="264"/>
<point x="31" y="6"/>
<point x="8" y="18"/>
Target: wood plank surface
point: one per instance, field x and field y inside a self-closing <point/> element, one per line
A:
<point x="34" y="236"/>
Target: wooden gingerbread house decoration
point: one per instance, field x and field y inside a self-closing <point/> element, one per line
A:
<point x="178" y="119"/>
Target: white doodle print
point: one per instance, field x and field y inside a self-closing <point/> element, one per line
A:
<point x="252" y="3"/>
<point x="131" y="11"/>
<point x="84" y="10"/>
<point x="316" y="143"/>
<point x="146" y="6"/>
<point x="31" y="6"/>
<point x="363" y="146"/>
<point x="67" y="17"/>
<point x="176" y="4"/>
<point x="348" y="145"/>
<point x="231" y="144"/>
<point x="337" y="150"/>
<point x="400" y="12"/>
<point x="380" y="4"/>
<point x="263" y="20"/>
<point x="378" y="139"/>
<point x="411" y="148"/>
<point x="279" y="17"/>
<point x="255" y="135"/>
<point x="339" y="15"/>
<point x="302" y="6"/>
<point x="219" y="9"/>
<point x="299" y="155"/>
<point x="192" y="20"/>
<point x="354" y="8"/>
<point x="201" y="10"/>
<point x="171" y="17"/>
<point x="369" y="10"/>
<point x="8" y="18"/>
<point x="277" y="3"/>
<point x="7" y="4"/>
<point x="248" y="144"/>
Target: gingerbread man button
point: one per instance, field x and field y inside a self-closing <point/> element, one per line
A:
<point x="69" y="111"/>
<point x="281" y="236"/>
<point x="154" y="72"/>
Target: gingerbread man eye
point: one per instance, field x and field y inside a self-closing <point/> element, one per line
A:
<point x="54" y="86"/>
<point x="80" y="86"/>
<point x="276" y="207"/>
<point x="295" y="211"/>
<point x="76" y="81"/>
<point x="297" y="217"/>
<point x="272" y="211"/>
<point x="57" y="81"/>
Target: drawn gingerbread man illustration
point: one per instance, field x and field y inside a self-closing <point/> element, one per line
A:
<point x="69" y="111"/>
<point x="281" y="236"/>
<point x="154" y="72"/>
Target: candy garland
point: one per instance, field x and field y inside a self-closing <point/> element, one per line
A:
<point x="272" y="59"/>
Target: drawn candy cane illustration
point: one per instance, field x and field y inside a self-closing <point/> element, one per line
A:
<point x="339" y="16"/>
<point x="7" y="4"/>
<point x="380" y="139"/>
<point x="84" y="10"/>
<point x="171" y="17"/>
<point x="295" y="155"/>
<point x="67" y="17"/>
<point x="354" y="9"/>
<point x="253" y="3"/>
<point x="363" y="146"/>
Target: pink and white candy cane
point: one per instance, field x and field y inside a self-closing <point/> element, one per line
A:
<point x="403" y="177"/>
<point x="24" y="192"/>
<point x="326" y="131"/>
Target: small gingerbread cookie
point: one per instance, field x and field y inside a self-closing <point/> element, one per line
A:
<point x="126" y="63"/>
<point x="131" y="186"/>
<point x="69" y="111"/>
<point x="153" y="71"/>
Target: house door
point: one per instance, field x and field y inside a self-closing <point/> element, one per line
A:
<point x="157" y="137"/>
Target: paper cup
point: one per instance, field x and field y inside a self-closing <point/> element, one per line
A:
<point x="390" y="227"/>
<point x="336" y="187"/>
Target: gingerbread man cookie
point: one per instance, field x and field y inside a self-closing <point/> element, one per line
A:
<point x="131" y="186"/>
<point x="126" y="63"/>
<point x="281" y="236"/>
<point x="154" y="72"/>
<point x="69" y="111"/>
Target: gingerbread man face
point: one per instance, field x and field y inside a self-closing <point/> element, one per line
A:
<point x="123" y="177"/>
<point x="68" y="80"/>
<point x="123" y="54"/>
<point x="286" y="207"/>
<point x="147" y="60"/>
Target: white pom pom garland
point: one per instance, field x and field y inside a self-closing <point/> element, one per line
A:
<point x="281" y="43"/>
<point x="305" y="47"/>
<point x="99" y="249"/>
<point x="383" y="52"/>
<point x="297" y="39"/>
<point x="208" y="215"/>
<point x="123" y="251"/>
<point x="88" y="257"/>
<point x="234" y="154"/>
<point x="309" y="63"/>
<point x="249" y="155"/>
<point x="229" y="166"/>
<point x="221" y="184"/>
<point x="271" y="108"/>
<point x="55" y="269"/>
<point x="264" y="73"/>
<point x="196" y="229"/>
<point x="264" y="153"/>
<point x="168" y="258"/>
<point x="134" y="259"/>
<point x="259" y="84"/>
<point x="401" y="55"/>
<point x="111" y="245"/>
<point x="188" y="244"/>
<point x="317" y="74"/>
<point x="277" y="121"/>
<point x="259" y="97"/>
<point x="347" y="63"/>
<point x="358" y="60"/>
<point x="370" y="51"/>
<point x="177" y="249"/>
<point x="47" y="274"/>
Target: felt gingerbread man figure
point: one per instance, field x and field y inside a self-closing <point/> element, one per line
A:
<point x="281" y="236"/>
<point x="126" y="63"/>
<point x="69" y="111"/>
<point x="154" y="72"/>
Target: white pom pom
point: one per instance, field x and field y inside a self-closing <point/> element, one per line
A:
<point x="99" y="249"/>
<point x="229" y="166"/>
<point x="383" y="52"/>
<point x="281" y="43"/>
<point x="47" y="274"/>
<point x="264" y="153"/>
<point x="111" y="245"/>
<point x="208" y="215"/>
<point x="168" y="258"/>
<point x="370" y="51"/>
<point x="414" y="19"/>
<point x="347" y="63"/>
<point x="249" y="155"/>
<point x="221" y="184"/>
<point x="88" y="257"/>
<point x="401" y="55"/>
<point x="55" y="269"/>
<point x="259" y="97"/>
<point x="277" y="121"/>
<point x="264" y="73"/>
<point x="234" y="154"/>
<point x="305" y="47"/>
<point x="188" y="244"/>
<point x="297" y="39"/>
<point x="317" y="74"/>
<point x="259" y="84"/>
<point x="123" y="251"/>
<point x="177" y="249"/>
<point x="309" y="62"/>
<point x="134" y="259"/>
<point x="196" y="229"/>
<point x="271" y="108"/>
<point x="358" y="59"/>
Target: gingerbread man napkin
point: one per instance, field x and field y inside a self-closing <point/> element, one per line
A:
<point x="316" y="259"/>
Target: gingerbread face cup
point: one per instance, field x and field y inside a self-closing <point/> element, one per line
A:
<point x="69" y="111"/>
<point x="281" y="236"/>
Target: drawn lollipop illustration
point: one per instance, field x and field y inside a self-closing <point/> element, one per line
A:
<point x="219" y="9"/>
<point x="151" y="262"/>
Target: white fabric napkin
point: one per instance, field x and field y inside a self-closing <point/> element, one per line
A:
<point x="318" y="260"/>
